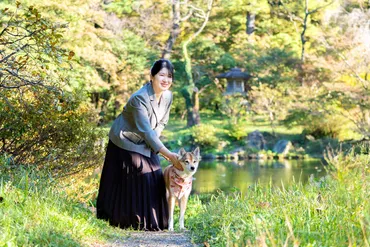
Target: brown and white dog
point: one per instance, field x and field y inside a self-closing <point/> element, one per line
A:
<point x="178" y="183"/>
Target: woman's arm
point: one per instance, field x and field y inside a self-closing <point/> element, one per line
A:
<point x="138" y="107"/>
<point x="172" y="157"/>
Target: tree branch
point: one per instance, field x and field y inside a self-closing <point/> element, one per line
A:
<point x="345" y="60"/>
<point x="11" y="54"/>
<point x="321" y="7"/>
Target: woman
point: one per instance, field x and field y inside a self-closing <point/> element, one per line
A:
<point x="132" y="191"/>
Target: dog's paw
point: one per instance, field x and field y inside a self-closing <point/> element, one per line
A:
<point x="170" y="229"/>
<point x="183" y="229"/>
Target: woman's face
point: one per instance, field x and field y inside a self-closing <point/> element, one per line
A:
<point x="162" y="81"/>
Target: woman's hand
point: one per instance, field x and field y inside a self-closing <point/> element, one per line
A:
<point x="172" y="157"/>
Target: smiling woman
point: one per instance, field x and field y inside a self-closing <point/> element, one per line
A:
<point x="132" y="190"/>
<point x="161" y="80"/>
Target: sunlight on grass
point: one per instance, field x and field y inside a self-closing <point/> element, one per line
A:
<point x="34" y="212"/>
<point x="331" y="211"/>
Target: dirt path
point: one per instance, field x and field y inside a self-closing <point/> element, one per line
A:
<point x="152" y="239"/>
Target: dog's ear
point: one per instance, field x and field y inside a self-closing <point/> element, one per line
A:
<point x="196" y="152"/>
<point x="182" y="152"/>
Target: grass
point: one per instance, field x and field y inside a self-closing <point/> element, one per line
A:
<point x="176" y="135"/>
<point x="334" y="211"/>
<point x="35" y="211"/>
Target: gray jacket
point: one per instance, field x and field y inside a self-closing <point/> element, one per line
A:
<point x="141" y="122"/>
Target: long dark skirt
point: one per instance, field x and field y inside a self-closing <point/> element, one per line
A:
<point x="132" y="192"/>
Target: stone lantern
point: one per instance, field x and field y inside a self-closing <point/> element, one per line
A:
<point x="236" y="81"/>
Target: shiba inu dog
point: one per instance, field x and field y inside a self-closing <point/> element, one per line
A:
<point x="178" y="183"/>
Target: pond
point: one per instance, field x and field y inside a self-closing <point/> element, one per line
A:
<point x="214" y="175"/>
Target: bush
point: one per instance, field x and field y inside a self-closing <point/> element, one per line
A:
<point x="204" y="135"/>
<point x="41" y="122"/>
<point x="237" y="131"/>
<point x="55" y="133"/>
<point x="318" y="125"/>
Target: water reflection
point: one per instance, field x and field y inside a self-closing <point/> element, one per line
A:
<point x="214" y="175"/>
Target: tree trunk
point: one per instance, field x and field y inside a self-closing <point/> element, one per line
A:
<point x="193" y="117"/>
<point x="196" y="115"/>
<point x="175" y="31"/>
<point x="192" y="97"/>
<point x="189" y="92"/>
<point x="250" y="23"/>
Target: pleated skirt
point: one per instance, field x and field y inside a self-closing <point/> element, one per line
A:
<point x="132" y="191"/>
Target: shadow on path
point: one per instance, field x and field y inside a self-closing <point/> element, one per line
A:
<point x="152" y="239"/>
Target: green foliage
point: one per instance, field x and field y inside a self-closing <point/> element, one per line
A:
<point x="310" y="214"/>
<point x="235" y="107"/>
<point x="55" y="132"/>
<point x="204" y="135"/>
<point x="344" y="165"/>
<point x="276" y="66"/>
<point x="122" y="7"/>
<point x="237" y="131"/>
<point x="318" y="125"/>
<point x="41" y="122"/>
<point x="30" y="50"/>
<point x="35" y="211"/>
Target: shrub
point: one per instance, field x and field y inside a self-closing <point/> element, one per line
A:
<point x="55" y="134"/>
<point x="237" y="131"/>
<point x="318" y="125"/>
<point x="41" y="122"/>
<point x="204" y="135"/>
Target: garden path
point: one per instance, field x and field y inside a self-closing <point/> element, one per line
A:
<point x="152" y="239"/>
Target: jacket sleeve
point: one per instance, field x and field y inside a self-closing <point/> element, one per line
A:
<point x="142" y="123"/>
<point x="163" y="122"/>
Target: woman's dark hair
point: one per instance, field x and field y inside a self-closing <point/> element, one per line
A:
<point x="160" y="64"/>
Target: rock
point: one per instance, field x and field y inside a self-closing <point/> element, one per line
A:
<point x="252" y="156"/>
<point x="221" y="157"/>
<point x="310" y="138"/>
<point x="282" y="147"/>
<point x="208" y="157"/>
<point x="256" y="140"/>
<point x="261" y="156"/>
<point x="234" y="156"/>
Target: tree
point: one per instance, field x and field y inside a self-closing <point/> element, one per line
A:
<point x="191" y="92"/>
<point x="348" y="56"/>
<point x="175" y="30"/>
<point x="41" y="123"/>
<point x="307" y="13"/>
<point x="270" y="102"/>
<point x="30" y="51"/>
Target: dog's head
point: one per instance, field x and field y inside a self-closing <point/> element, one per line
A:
<point x="189" y="160"/>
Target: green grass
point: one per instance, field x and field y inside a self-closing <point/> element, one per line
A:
<point x="177" y="126"/>
<point x="334" y="211"/>
<point x="35" y="211"/>
<point x="178" y="135"/>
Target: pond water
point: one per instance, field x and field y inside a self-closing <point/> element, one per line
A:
<point x="214" y="175"/>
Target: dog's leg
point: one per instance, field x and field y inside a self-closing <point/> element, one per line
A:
<point x="183" y="201"/>
<point x="171" y="209"/>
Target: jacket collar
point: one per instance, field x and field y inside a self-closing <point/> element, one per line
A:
<point x="153" y="100"/>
